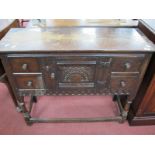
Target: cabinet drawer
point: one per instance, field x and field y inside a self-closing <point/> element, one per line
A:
<point x="124" y="64"/>
<point x="24" y="64"/>
<point x="29" y="81"/>
<point x="124" y="84"/>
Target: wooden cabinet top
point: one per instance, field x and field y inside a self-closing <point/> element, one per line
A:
<point x="76" y="39"/>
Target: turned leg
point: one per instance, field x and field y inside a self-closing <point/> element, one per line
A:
<point x="114" y="98"/>
<point x="120" y="101"/>
<point x="12" y="95"/>
<point x="128" y="103"/>
<point x="24" y="110"/>
<point x="34" y="99"/>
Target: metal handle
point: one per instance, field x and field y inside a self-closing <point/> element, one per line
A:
<point x="105" y="63"/>
<point x="24" y="66"/>
<point x="127" y="65"/>
<point x="47" y="68"/>
<point x="52" y="75"/>
<point x="29" y="83"/>
<point x="123" y="83"/>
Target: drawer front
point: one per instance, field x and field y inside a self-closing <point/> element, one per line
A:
<point x="24" y="64"/>
<point x="29" y="82"/>
<point x="124" y="84"/>
<point x="127" y="64"/>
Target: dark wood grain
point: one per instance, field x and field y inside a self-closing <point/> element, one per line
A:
<point x="76" y="39"/>
<point x="76" y="61"/>
<point x="24" y="65"/>
<point x="148" y="103"/>
<point x="29" y="81"/>
<point x="142" y="111"/>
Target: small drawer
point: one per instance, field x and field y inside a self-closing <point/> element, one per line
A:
<point x="24" y="65"/>
<point x="124" y="84"/>
<point x="124" y="64"/>
<point x="29" y="81"/>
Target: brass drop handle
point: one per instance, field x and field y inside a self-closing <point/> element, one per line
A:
<point x="24" y="66"/>
<point x="127" y="65"/>
<point x="123" y="83"/>
<point x="29" y="83"/>
<point x="47" y="68"/>
<point x="52" y="75"/>
<point x="106" y="63"/>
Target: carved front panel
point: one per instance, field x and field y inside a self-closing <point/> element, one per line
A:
<point x="76" y="76"/>
<point x="83" y="75"/>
